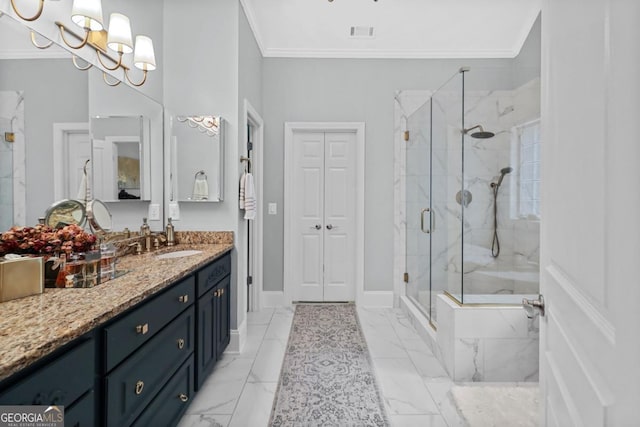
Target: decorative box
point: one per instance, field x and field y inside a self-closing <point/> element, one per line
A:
<point x="21" y="277"/>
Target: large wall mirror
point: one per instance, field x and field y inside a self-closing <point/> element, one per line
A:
<point x="53" y="111"/>
<point x="197" y="158"/>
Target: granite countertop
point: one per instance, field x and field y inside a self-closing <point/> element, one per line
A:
<point x="35" y="326"/>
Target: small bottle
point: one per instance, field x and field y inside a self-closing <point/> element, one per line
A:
<point x="171" y="238"/>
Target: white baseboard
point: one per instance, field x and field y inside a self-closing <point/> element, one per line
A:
<point x="377" y="299"/>
<point x="272" y="299"/>
<point x="238" y="339"/>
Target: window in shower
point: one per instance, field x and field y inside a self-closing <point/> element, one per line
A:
<point x="528" y="145"/>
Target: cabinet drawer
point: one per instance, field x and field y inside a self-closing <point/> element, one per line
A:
<point x="213" y="273"/>
<point x="53" y="384"/>
<point x="128" y="333"/>
<point x="169" y="405"/>
<point x="82" y="413"/>
<point x="132" y="385"/>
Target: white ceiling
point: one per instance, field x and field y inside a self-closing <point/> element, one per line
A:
<point x="402" y="28"/>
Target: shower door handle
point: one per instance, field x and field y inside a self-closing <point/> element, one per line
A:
<point x="425" y="210"/>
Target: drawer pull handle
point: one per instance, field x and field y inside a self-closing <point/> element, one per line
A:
<point x="221" y="292"/>
<point x="142" y="329"/>
<point x="183" y="397"/>
<point x="183" y="298"/>
<point x="139" y="387"/>
<point x="180" y="343"/>
<point x="215" y="293"/>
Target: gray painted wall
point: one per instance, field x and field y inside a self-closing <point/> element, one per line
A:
<point x="356" y="91"/>
<point x="249" y="88"/>
<point x="201" y="77"/>
<point x="45" y="103"/>
<point x="526" y="66"/>
<point x="249" y="67"/>
<point x="362" y="91"/>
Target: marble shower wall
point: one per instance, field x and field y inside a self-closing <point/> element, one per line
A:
<point x="516" y="269"/>
<point x="12" y="160"/>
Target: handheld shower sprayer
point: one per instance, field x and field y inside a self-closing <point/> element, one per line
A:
<point x="503" y="172"/>
<point x="495" y="186"/>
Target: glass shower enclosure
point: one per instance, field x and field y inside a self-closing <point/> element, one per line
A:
<point x="463" y="184"/>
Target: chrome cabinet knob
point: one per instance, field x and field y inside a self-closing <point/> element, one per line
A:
<point x="316" y="227"/>
<point x="329" y="226"/>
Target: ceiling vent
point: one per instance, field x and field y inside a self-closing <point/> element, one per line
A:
<point x="361" y="32"/>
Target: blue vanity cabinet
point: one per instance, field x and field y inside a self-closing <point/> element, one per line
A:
<point x="212" y="306"/>
<point x="48" y="382"/>
<point x="143" y="366"/>
<point x="169" y="405"/>
<point x="144" y="348"/>
<point x="137" y="326"/>
<point x="223" y="331"/>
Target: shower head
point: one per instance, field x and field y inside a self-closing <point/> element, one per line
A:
<point x="506" y="170"/>
<point x="481" y="134"/>
<point x="503" y="172"/>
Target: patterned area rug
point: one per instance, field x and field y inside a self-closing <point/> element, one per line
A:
<point x="327" y="378"/>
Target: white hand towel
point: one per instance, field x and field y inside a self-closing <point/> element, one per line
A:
<point x="200" y="189"/>
<point x="82" y="190"/>
<point x="250" y="203"/>
<point x="243" y="180"/>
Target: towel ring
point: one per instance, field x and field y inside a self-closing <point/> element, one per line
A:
<point x="248" y="160"/>
<point x="200" y="173"/>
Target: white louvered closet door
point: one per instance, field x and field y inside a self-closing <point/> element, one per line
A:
<point x="324" y="214"/>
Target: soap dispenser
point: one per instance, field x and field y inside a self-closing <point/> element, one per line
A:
<point x="145" y="231"/>
<point x="171" y="237"/>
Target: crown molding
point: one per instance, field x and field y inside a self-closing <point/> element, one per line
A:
<point x="388" y="54"/>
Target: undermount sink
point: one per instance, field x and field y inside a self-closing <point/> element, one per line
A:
<point x="178" y="254"/>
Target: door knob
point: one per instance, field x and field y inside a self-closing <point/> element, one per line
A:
<point x="329" y="226"/>
<point x="533" y="307"/>
<point x="317" y="227"/>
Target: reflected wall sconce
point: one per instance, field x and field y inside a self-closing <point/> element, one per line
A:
<point x="204" y="124"/>
<point x="28" y="18"/>
<point x="87" y="14"/>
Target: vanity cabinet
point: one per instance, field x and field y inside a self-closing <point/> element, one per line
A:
<point x="50" y="382"/>
<point x="142" y="367"/>
<point x="132" y="330"/>
<point x="133" y="385"/>
<point x="213" y="306"/>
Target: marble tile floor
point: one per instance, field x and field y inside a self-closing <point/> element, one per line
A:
<point x="240" y="391"/>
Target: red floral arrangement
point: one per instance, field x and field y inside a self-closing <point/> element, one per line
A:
<point x="44" y="240"/>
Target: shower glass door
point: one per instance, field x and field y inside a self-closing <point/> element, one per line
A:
<point x="418" y="206"/>
<point x="433" y="180"/>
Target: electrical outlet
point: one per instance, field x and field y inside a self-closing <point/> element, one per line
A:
<point x="154" y="212"/>
<point x="273" y="208"/>
<point x="174" y="211"/>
